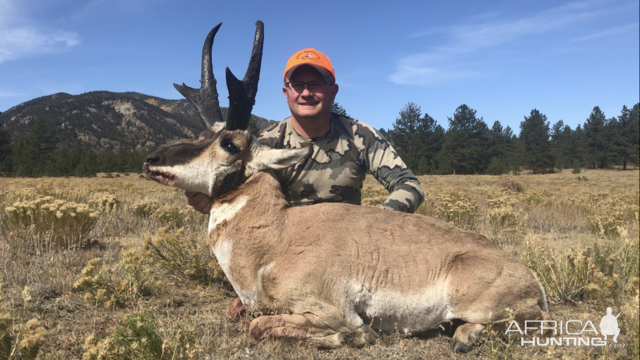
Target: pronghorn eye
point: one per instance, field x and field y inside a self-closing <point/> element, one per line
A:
<point x="229" y="147"/>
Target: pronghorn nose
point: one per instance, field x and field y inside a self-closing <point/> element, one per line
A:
<point x="152" y="159"/>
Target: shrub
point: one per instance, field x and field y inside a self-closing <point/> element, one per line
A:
<point x="598" y="274"/>
<point x="145" y="207"/>
<point x="604" y="225"/>
<point x="104" y="202"/>
<point x="458" y="209"/>
<point x="129" y="282"/>
<point x="46" y="223"/>
<point x="33" y="336"/>
<point x="24" y="340"/>
<point x="139" y="338"/>
<point x="170" y="215"/>
<point x="182" y="256"/>
<point x="511" y="184"/>
<point x="532" y="198"/>
<point x="504" y="217"/>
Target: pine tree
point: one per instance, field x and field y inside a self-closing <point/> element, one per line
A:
<point x="629" y="126"/>
<point x="62" y="162"/>
<point x="465" y="149"/>
<point x="32" y="154"/>
<point x="579" y="148"/>
<point x="337" y="109"/>
<point x="404" y="127"/>
<point x="5" y="151"/>
<point x="594" y="129"/>
<point x="88" y="165"/>
<point x="561" y="145"/>
<point x="534" y="133"/>
<point x="500" y="149"/>
<point x="424" y="146"/>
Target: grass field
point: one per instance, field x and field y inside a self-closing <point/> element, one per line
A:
<point x="111" y="268"/>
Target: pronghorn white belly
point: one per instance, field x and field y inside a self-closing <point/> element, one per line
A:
<point x="392" y="311"/>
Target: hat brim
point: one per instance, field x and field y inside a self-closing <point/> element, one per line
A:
<point x="325" y="73"/>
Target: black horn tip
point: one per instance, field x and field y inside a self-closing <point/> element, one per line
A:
<point x="215" y="28"/>
<point x="231" y="78"/>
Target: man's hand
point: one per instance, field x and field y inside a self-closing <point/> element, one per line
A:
<point x="200" y="202"/>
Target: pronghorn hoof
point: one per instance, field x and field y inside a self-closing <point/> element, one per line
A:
<point x="237" y="309"/>
<point x="459" y="347"/>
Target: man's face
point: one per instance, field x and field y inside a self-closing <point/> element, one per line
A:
<point x="306" y="103"/>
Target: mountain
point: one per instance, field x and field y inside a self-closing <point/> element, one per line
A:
<point x="184" y="108"/>
<point x="108" y="120"/>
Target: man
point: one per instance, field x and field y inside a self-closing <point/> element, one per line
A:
<point x="609" y="325"/>
<point x="344" y="149"/>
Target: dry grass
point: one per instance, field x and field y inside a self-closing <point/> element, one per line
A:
<point x="168" y="299"/>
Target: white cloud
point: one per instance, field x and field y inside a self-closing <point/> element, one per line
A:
<point x="484" y="34"/>
<point x="10" y="94"/>
<point x="609" y="32"/>
<point x="21" y="36"/>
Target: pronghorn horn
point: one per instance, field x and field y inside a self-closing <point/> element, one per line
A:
<point x="242" y="94"/>
<point x="205" y="99"/>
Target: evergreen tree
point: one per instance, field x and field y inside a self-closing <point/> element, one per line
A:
<point x="500" y="149"/>
<point x="108" y="161"/>
<point x="5" y="151"/>
<point x="253" y="127"/>
<point x="534" y="134"/>
<point x="579" y="148"/>
<point x="62" y="163"/>
<point x="336" y="108"/>
<point x="594" y="129"/>
<point x="561" y="145"/>
<point x="424" y="146"/>
<point x="465" y="149"/>
<point x="629" y="127"/>
<point x="88" y="165"/>
<point x="32" y="154"/>
<point x="404" y="127"/>
<point x="612" y="144"/>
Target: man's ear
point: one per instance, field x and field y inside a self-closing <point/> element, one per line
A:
<point x="276" y="159"/>
<point x="334" y="90"/>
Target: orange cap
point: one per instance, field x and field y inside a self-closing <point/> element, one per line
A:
<point x="309" y="56"/>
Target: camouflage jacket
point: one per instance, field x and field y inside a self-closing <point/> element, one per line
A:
<point x="334" y="172"/>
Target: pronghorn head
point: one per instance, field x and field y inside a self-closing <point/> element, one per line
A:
<point x="226" y="153"/>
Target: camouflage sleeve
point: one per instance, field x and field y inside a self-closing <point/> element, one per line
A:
<point x="385" y="165"/>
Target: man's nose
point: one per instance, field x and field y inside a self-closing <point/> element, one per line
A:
<point x="306" y="91"/>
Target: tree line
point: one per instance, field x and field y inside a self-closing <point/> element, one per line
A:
<point x="469" y="146"/>
<point x="36" y="154"/>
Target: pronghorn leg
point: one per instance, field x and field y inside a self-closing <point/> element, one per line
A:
<point x="303" y="327"/>
<point x="466" y="336"/>
<point x="311" y="328"/>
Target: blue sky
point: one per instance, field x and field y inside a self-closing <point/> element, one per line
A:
<point x="501" y="58"/>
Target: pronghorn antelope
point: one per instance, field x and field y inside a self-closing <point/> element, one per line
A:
<point x="332" y="273"/>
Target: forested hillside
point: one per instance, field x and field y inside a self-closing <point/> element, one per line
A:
<point x="99" y="131"/>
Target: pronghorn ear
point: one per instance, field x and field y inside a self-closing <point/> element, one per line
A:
<point x="276" y="159"/>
